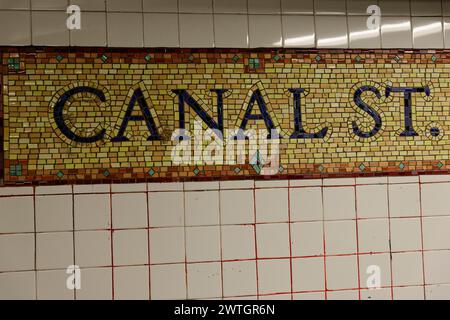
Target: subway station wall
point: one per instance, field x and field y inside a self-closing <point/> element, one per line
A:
<point x="88" y="179"/>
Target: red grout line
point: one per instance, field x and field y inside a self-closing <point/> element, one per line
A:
<point x="421" y="240"/>
<point x="357" y="244"/>
<point x="390" y="242"/>
<point x="73" y="237"/>
<point x="324" y="246"/>
<point x="221" y="247"/>
<point x="112" y="243"/>
<point x="148" y="244"/>
<point x="290" y="241"/>
<point x="185" y="246"/>
<point x="256" y="244"/>
<point x="35" y="244"/>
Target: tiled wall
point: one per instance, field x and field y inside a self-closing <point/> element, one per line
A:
<point x="225" y="23"/>
<point x="292" y="239"/>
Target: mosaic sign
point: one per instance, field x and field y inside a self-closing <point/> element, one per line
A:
<point x="94" y="116"/>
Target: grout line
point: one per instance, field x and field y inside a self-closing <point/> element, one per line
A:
<point x="148" y="244"/>
<point x="73" y="238"/>
<point x="422" y="240"/>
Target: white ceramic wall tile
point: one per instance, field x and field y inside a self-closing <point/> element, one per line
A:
<point x="10" y="245"/>
<point x="306" y="183"/>
<point x="376" y="294"/>
<point x="197" y="249"/>
<point x="372" y="201"/>
<point x="308" y="274"/>
<point x="406" y="234"/>
<point x="335" y="242"/>
<point x="54" y="250"/>
<point x="46" y="190"/>
<point x="404" y="200"/>
<point x="49" y="28"/>
<point x="272" y="205"/>
<point x="15" y="4"/>
<point x="129" y="210"/>
<point x="437" y="292"/>
<point x="204" y="280"/>
<point x="168" y="282"/>
<point x="265" y="31"/>
<point x="330" y="7"/>
<point x="17" y="286"/>
<point x="297" y="6"/>
<point x="309" y="296"/>
<point x="426" y="8"/>
<point x="396" y="32"/>
<point x="239" y="278"/>
<point x="435" y="233"/>
<point x="161" y="6"/>
<point x="298" y="31"/>
<point x="445" y="7"/>
<point x="427" y="33"/>
<point x="16" y="191"/>
<point x="366" y="263"/>
<point x="51" y="285"/>
<point x="196" y="30"/>
<point x="264" y="6"/>
<point x="124" y="6"/>
<point x="342" y="272"/>
<point x="402" y="272"/>
<point x="96" y="284"/>
<point x="436" y="264"/>
<point x="272" y="240"/>
<point x="130" y="247"/>
<point x="92" y="211"/>
<point x="408" y="293"/>
<point x="232" y="214"/>
<point x="195" y="6"/>
<point x="167" y="245"/>
<point x="339" y="182"/>
<point x="166" y="209"/>
<point x="49" y="4"/>
<point x="168" y="186"/>
<point x="373" y="235"/>
<point x="230" y="6"/>
<point x="395" y="7"/>
<point x="13" y="33"/>
<point x="154" y="23"/>
<point x="238" y="242"/>
<point x="93" y="248"/>
<point x="201" y="186"/>
<point x="54" y="213"/>
<point x="90" y="5"/>
<point x="202" y="208"/>
<point x="274" y="276"/>
<point x="307" y="239"/>
<point x="446" y="26"/>
<point x="434" y="199"/>
<point x="231" y="31"/>
<point x="125" y="29"/>
<point x="339" y="203"/>
<point x="92" y="32"/>
<point x="306" y="204"/>
<point x="359" y="7"/>
<point x="131" y="283"/>
<point x="331" y="32"/>
<point x="16" y="214"/>
<point x="362" y="37"/>
<point x="371" y="180"/>
<point x="343" y="295"/>
<point x="128" y="187"/>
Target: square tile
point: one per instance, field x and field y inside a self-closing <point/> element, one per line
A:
<point x="446" y="22"/>
<point x="265" y="31"/>
<point x="125" y="29"/>
<point x="309" y="296"/>
<point x="298" y="31"/>
<point x="396" y="32"/>
<point x="239" y="278"/>
<point x="17" y="214"/>
<point x="160" y="6"/>
<point x="232" y="214"/>
<point x="404" y="200"/>
<point x="272" y="240"/>
<point x="204" y="280"/>
<point x="330" y="7"/>
<point x="49" y="28"/>
<point x="274" y="276"/>
<point x="375" y="270"/>
<point x="373" y="235"/>
<point x="49" y="4"/>
<point x="331" y="32"/>
<point x="166" y="209"/>
<point x="340" y="237"/>
<point x="129" y="210"/>
<point x="230" y="6"/>
<point x="92" y="211"/>
<point x="96" y="284"/>
<point x="51" y="285"/>
<point x="339" y="203"/>
<point x="426" y="8"/>
<point x="435" y="201"/>
<point x="297" y="6"/>
<point x="406" y="234"/>
<point x="92" y="32"/>
<point x="131" y="283"/>
<point x="12" y="33"/>
<point x="307" y="238"/>
<point x="343" y="295"/>
<point x="362" y="37"/>
<point x="196" y="30"/>
<point x="402" y="272"/>
<point x="395" y="7"/>
<point x="54" y="250"/>
<point x="54" y="213"/>
<point x="272" y="205"/>
<point x="372" y="201"/>
<point x="90" y="5"/>
<point x="238" y="242"/>
<point x="359" y="7"/>
<point x="195" y="6"/>
<point x="231" y="31"/>
<point x="124" y="6"/>
<point x="123" y="240"/>
<point x="264" y="6"/>
<point x="167" y="245"/>
<point x="342" y="272"/>
<point x="427" y="32"/>
<point x="93" y="248"/>
<point x="437" y="292"/>
<point x="168" y="282"/>
<point x="436" y="264"/>
<point x="308" y="274"/>
<point x="408" y="293"/>
<point x="203" y="244"/>
<point x="435" y="233"/>
<point x="376" y="294"/>
<point x="17" y="286"/>
<point x="161" y="21"/>
<point x="15" y="5"/>
<point x="10" y="245"/>
<point x="202" y="208"/>
<point x="306" y="204"/>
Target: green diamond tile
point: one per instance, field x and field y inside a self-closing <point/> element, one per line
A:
<point x="60" y="174"/>
<point x="104" y="57"/>
<point x="106" y="173"/>
<point x="401" y="166"/>
<point x="237" y="170"/>
<point x="440" y="165"/>
<point x="321" y="168"/>
<point x="318" y="58"/>
<point x="151" y="172"/>
<point x="236" y="58"/>
<point x="362" y="167"/>
<point x="434" y="58"/>
<point x="277" y="58"/>
<point x="59" y="58"/>
<point x="397" y="59"/>
<point x="358" y="59"/>
<point x="148" y="58"/>
<point x="196" y="171"/>
<point x="280" y="169"/>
